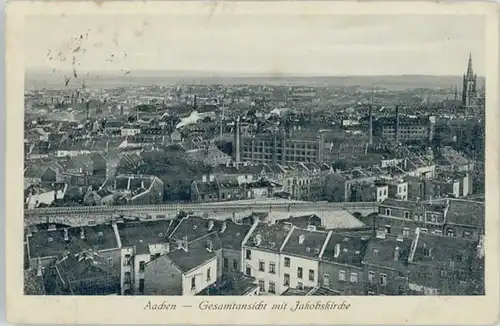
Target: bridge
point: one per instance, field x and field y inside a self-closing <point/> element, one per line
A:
<point x="84" y="215"/>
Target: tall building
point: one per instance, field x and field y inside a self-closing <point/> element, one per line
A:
<point x="469" y="91"/>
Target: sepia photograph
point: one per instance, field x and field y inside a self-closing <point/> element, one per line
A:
<point x="317" y="158"/>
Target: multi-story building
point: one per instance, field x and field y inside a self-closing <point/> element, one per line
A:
<point x="261" y="256"/>
<point x="385" y="264"/>
<point x="300" y="255"/>
<point x="341" y="266"/>
<point x="441" y="265"/>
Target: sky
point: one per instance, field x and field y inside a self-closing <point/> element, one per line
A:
<point x="256" y="44"/>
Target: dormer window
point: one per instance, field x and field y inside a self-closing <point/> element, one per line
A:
<point x="388" y="212"/>
<point x="427" y="252"/>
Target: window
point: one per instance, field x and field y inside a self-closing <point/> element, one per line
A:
<point x="371" y="276"/>
<point x="262" y="286"/>
<point x="209" y="277"/>
<point x="406" y="232"/>
<point x="141" y="286"/>
<point x="249" y="254"/>
<point x="193" y="283"/>
<point x="235" y="264"/>
<point x="371" y="293"/>
<point x="387" y="211"/>
<point x="311" y="275"/>
<point x="424" y="230"/>
<point x="300" y="286"/>
<point x="427" y="252"/>
<point x="226" y="263"/>
<point x="383" y="279"/>
<point x="326" y="280"/>
<point x="272" y="268"/>
<point x="127" y="277"/>
<point x="375" y="252"/>
<point x="342" y="275"/>
<point x="287" y="262"/>
<point x="262" y="266"/>
<point x="407" y="215"/>
<point x="354" y="277"/>
<point x="299" y="272"/>
<point x="272" y="287"/>
<point x="248" y="271"/>
<point x="142" y="266"/>
<point x="467" y="234"/>
<point x="287" y="280"/>
<point x="127" y="260"/>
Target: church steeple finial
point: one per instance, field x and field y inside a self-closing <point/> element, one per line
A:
<point x="470" y="71"/>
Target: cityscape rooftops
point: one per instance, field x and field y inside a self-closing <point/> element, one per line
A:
<point x="305" y="242"/>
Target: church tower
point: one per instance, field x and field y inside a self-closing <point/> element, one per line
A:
<point x="469" y="93"/>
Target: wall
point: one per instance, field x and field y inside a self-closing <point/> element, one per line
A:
<point x="200" y="275"/>
<point x="231" y="256"/>
<point x="295" y="263"/>
<point x="345" y="287"/>
<point x="265" y="276"/>
<point x="162" y="278"/>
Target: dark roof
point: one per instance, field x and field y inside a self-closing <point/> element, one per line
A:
<point x="187" y="260"/>
<point x="272" y="236"/>
<point x="238" y="284"/>
<point x="193" y="228"/>
<point x="143" y="234"/>
<point x="83" y="266"/>
<point x="233" y="236"/>
<point x="312" y="245"/>
<point x="465" y="212"/>
<point x="51" y="243"/>
<point x="382" y="252"/>
<point x="352" y="248"/>
<point x="297" y="292"/>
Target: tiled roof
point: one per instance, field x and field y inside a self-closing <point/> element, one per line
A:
<point x="143" y="234"/>
<point x="466" y="212"/>
<point x="351" y="248"/>
<point x="238" y="284"/>
<point x="194" y="257"/>
<point x="271" y="236"/>
<point x="33" y="284"/>
<point x="85" y="266"/>
<point x="311" y="246"/>
<point x="192" y="228"/>
<point x="233" y="235"/>
<point x="382" y="252"/>
<point x="52" y="243"/>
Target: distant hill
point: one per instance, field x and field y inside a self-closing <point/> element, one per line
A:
<point x="41" y="79"/>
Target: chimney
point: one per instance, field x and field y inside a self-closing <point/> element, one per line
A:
<point x="121" y="109"/>
<point x="211" y="177"/>
<point x="258" y="239"/>
<point x="397" y="125"/>
<point x="195" y="102"/>
<point x="88" y="109"/>
<point x="204" y="178"/>
<point x="224" y="226"/>
<point x="82" y="233"/>
<point x="370" y="135"/>
<point x="396" y="254"/>
<point x="301" y="239"/>
<point x="210" y="225"/>
<point x="337" y="250"/>
<point x="66" y="236"/>
<point x="236" y="143"/>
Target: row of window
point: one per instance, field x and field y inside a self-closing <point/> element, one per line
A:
<point x="193" y="279"/>
<point x="271" y="288"/>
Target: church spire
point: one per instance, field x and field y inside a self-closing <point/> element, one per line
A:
<point x="470" y="71"/>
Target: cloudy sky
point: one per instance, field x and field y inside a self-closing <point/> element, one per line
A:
<point x="298" y="45"/>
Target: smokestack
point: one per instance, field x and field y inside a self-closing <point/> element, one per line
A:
<point x="236" y="148"/>
<point x="370" y="140"/>
<point x="88" y="109"/>
<point x="195" y="102"/>
<point x="121" y="109"/>
<point x="397" y="124"/>
<point x="66" y="236"/>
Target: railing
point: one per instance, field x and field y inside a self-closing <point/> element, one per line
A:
<point x="219" y="206"/>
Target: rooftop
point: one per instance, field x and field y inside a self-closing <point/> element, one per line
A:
<point x="346" y="248"/>
<point x="466" y="212"/>
<point x="143" y="234"/>
<point x="268" y="237"/>
<point x="49" y="243"/>
<point x="187" y="260"/>
<point x="306" y="243"/>
<point x="231" y="285"/>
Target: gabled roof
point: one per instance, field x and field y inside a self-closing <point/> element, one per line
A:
<point x="271" y="236"/>
<point x="311" y="245"/>
<point x="351" y="248"/>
